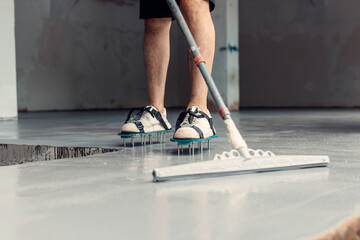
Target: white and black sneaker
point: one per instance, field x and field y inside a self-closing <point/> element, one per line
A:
<point x="147" y="120"/>
<point x="194" y="124"/>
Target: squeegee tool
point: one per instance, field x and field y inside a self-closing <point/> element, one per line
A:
<point x="232" y="163"/>
<point x="241" y="159"/>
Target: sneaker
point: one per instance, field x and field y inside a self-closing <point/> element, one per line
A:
<point x="194" y="124"/>
<point x="148" y="119"/>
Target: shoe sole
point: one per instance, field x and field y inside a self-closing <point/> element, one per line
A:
<point x="129" y="135"/>
<point x="191" y="140"/>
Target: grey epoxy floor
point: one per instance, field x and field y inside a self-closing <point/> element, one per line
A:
<point x="111" y="196"/>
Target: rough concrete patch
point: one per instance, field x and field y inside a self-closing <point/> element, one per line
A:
<point x="349" y="230"/>
<point x="12" y="154"/>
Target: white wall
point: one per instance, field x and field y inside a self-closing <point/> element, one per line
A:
<point x="8" y="101"/>
<point x="226" y="62"/>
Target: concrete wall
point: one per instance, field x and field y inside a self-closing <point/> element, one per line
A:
<point x="8" y="105"/>
<point x="87" y="54"/>
<point x="300" y="52"/>
<point x="77" y="54"/>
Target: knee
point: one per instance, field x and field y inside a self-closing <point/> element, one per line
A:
<point x="157" y="24"/>
<point x="193" y="10"/>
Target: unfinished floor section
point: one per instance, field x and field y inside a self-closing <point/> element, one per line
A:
<point x="112" y="196"/>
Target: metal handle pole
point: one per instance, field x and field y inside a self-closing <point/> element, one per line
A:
<point x="235" y="137"/>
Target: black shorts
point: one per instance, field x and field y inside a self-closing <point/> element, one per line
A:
<point x="160" y="9"/>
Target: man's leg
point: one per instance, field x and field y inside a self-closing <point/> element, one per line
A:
<point x="197" y="15"/>
<point x="157" y="55"/>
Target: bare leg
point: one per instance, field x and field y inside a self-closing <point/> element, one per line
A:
<point x="197" y="15"/>
<point x="157" y="55"/>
